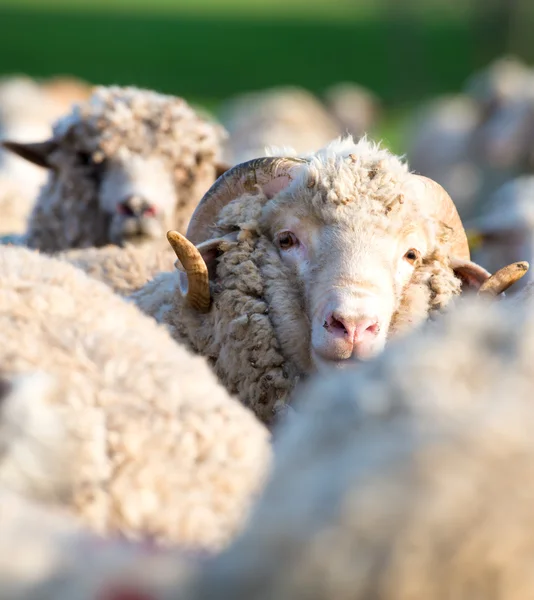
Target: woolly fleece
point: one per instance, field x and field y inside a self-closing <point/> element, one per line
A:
<point x="125" y="270"/>
<point x="161" y="450"/>
<point x="256" y="336"/>
<point x="413" y="481"/>
<point x="66" y="214"/>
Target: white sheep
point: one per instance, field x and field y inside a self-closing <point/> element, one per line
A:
<point x="291" y="265"/>
<point x="159" y="448"/>
<point x="497" y="83"/>
<point x="45" y="553"/>
<point x="123" y="168"/>
<point x="505" y="230"/>
<point x="355" y="108"/>
<point x="439" y="137"/>
<point x="28" y="109"/>
<point x="474" y="142"/>
<point x="125" y="270"/>
<point x="282" y="117"/>
<point x="407" y="478"/>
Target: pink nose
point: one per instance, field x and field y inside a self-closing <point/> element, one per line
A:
<point x="136" y="206"/>
<point x="357" y="330"/>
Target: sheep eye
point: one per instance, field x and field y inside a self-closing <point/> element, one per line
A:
<point x="287" y="240"/>
<point x="85" y="158"/>
<point x="411" y="256"/>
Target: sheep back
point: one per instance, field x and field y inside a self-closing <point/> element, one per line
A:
<point x="161" y="450"/>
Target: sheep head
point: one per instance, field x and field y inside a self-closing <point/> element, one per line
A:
<point x="351" y="232"/>
<point x="125" y="166"/>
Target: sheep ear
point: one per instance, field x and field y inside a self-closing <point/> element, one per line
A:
<point x="471" y="274"/>
<point x="37" y="153"/>
<point x="210" y="252"/>
<point x="221" y="168"/>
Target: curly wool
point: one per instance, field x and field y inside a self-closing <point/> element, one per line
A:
<point x="160" y="448"/>
<point x="120" y="120"/>
<point x="382" y="492"/>
<point x="125" y="270"/>
<point x="256" y="335"/>
<point x="238" y="336"/>
<point x="46" y="555"/>
<point x="430" y="291"/>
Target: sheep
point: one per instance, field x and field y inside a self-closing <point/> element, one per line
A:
<point x="125" y="270"/>
<point x="46" y="555"/>
<point x="123" y="167"/>
<point x="27" y="110"/>
<point x="439" y="137"/>
<point x="276" y="117"/>
<point x="414" y="480"/>
<point x="355" y="108"/>
<point x="506" y="228"/>
<point x="496" y="84"/>
<point x="334" y="255"/>
<point x="474" y="142"/>
<point x="160" y="449"/>
<point x="45" y="552"/>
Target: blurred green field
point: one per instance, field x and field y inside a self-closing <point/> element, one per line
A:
<point x="210" y="49"/>
<point x="207" y="50"/>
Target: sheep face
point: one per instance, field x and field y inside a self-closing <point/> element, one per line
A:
<point x="352" y="264"/>
<point x="351" y="249"/>
<point x="139" y="195"/>
<point x="124" y="167"/>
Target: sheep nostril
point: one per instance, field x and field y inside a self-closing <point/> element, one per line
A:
<point x="332" y="324"/>
<point x="149" y="211"/>
<point x="374" y="328"/>
<point x="124" y="209"/>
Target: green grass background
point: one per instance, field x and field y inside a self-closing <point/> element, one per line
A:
<point x="206" y="50"/>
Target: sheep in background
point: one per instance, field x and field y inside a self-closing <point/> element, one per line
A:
<point x="124" y="167"/>
<point x="28" y="108"/>
<point x="473" y="143"/>
<point x="355" y="108"/>
<point x="413" y="480"/>
<point x="281" y="117"/>
<point x="505" y="230"/>
<point x="497" y="83"/>
<point x="159" y="449"/>
<point x="439" y="146"/>
<point x="291" y="265"/>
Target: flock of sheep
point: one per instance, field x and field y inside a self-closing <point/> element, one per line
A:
<point x="228" y="370"/>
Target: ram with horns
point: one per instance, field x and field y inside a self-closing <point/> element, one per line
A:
<point x="291" y="265"/>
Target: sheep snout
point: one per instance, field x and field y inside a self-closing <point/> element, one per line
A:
<point x="346" y="333"/>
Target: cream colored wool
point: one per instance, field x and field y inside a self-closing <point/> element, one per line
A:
<point x="256" y="336"/>
<point x="14" y="207"/>
<point x="413" y="481"/>
<point x="125" y="270"/>
<point x="160" y="448"/>
<point x="28" y="108"/>
<point x="46" y="555"/>
<point x="281" y="116"/>
<point x="120" y="120"/>
<point x="44" y="551"/>
<point x="34" y="445"/>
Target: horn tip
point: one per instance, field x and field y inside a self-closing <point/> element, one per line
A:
<point x="173" y="235"/>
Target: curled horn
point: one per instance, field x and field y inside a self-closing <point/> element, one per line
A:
<point x="198" y="289"/>
<point x="272" y="173"/>
<point x="500" y="281"/>
<point x="440" y="205"/>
